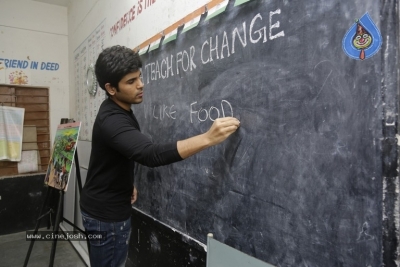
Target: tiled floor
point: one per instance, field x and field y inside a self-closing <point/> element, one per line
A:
<point x="14" y="247"/>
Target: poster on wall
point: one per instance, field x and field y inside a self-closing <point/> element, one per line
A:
<point x="87" y="103"/>
<point x="62" y="157"/>
<point x="17" y="76"/>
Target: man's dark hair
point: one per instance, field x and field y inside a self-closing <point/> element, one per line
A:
<point x="114" y="63"/>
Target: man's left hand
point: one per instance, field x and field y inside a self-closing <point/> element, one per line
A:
<point x="134" y="195"/>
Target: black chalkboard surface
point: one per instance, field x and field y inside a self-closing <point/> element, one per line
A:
<point x="300" y="183"/>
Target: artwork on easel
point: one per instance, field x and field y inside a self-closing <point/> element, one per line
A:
<point x="62" y="156"/>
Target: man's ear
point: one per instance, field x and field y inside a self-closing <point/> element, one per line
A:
<point x="110" y="89"/>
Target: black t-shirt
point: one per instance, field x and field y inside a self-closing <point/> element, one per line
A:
<point x="117" y="144"/>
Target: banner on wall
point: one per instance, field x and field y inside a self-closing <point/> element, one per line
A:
<point x="18" y="71"/>
<point x="87" y="104"/>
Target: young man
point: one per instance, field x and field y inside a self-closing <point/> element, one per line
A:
<point x="117" y="144"/>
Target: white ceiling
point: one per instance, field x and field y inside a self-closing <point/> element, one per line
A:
<point x="55" y="2"/>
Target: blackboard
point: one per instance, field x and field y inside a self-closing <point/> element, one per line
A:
<point x="301" y="183"/>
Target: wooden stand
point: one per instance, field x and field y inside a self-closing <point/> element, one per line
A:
<point x="59" y="214"/>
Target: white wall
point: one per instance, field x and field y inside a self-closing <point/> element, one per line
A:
<point x="83" y="21"/>
<point x="37" y="32"/>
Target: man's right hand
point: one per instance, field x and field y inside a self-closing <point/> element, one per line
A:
<point x="221" y="129"/>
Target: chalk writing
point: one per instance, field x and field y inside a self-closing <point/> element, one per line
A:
<point x="215" y="48"/>
<point x="255" y="35"/>
<point x="212" y="113"/>
<point x="185" y="61"/>
<point x="162" y="111"/>
<point x="163" y="69"/>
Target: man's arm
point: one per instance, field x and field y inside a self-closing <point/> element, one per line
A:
<point x="219" y="131"/>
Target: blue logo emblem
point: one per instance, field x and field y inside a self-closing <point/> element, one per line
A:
<point x="363" y="39"/>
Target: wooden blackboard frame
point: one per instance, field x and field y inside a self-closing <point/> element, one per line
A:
<point x="390" y="94"/>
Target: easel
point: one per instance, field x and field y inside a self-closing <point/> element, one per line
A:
<point x="59" y="215"/>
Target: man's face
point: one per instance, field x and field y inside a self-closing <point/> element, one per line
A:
<point x="362" y="41"/>
<point x="130" y="90"/>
